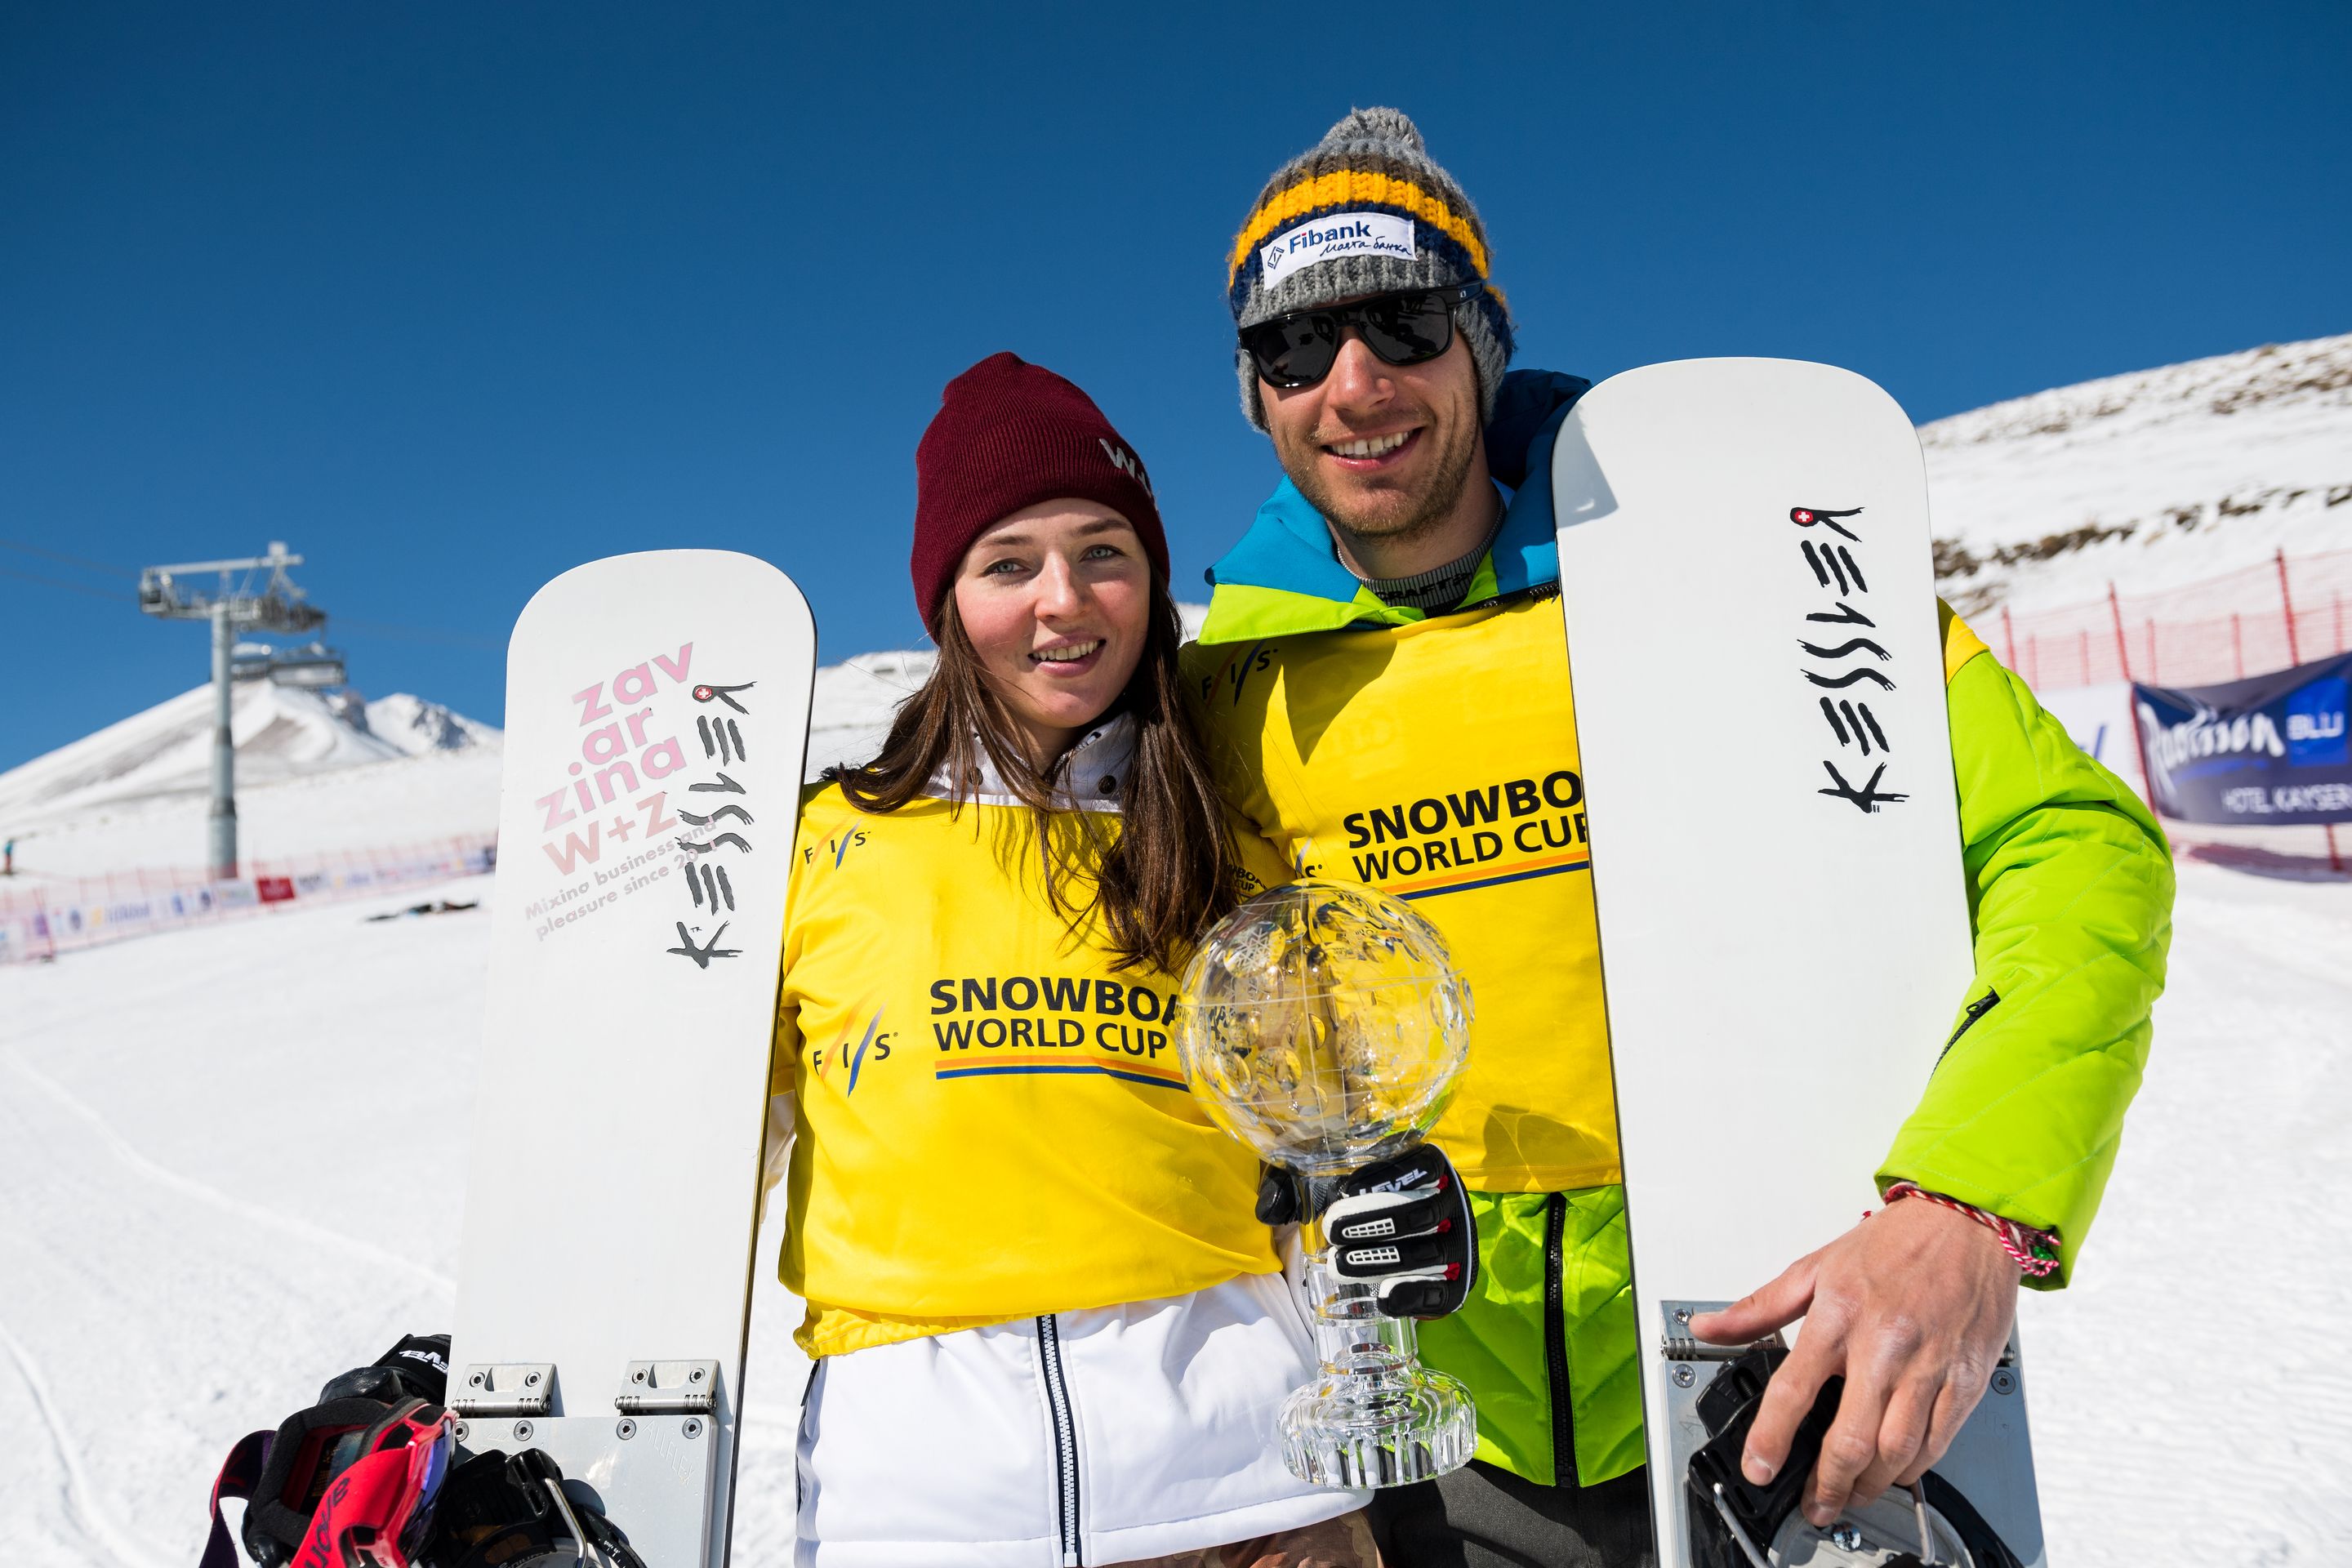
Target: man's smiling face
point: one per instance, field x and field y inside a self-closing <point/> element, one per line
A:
<point x="1381" y="449"/>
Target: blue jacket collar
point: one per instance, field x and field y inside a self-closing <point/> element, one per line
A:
<point x="1288" y="547"/>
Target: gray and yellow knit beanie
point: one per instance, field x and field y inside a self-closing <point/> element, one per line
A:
<point x="1364" y="211"/>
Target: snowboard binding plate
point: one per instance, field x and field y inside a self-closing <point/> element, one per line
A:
<point x="659" y="1437"/>
<point x="1713" y="1393"/>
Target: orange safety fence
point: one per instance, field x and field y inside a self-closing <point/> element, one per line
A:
<point x="2289" y="610"/>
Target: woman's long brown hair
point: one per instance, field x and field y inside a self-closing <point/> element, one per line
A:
<point x="1170" y="872"/>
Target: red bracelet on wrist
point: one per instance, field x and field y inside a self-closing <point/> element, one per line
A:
<point x="2035" y="1251"/>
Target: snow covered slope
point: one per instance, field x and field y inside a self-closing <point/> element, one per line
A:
<point x="280" y="732"/>
<point x="854" y="704"/>
<point x="2151" y="479"/>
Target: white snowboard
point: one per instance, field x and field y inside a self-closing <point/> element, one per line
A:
<point x="1745" y="568"/>
<point x="657" y="716"/>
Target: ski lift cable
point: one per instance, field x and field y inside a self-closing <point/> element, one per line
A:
<point x="64" y="560"/>
<point x="69" y="588"/>
<point x="416" y="633"/>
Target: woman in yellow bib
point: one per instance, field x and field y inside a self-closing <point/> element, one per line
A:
<point x="1049" y="1328"/>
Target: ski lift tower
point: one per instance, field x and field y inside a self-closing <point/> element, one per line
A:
<point x="243" y="598"/>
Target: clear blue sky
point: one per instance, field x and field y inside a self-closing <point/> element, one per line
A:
<point x="452" y="297"/>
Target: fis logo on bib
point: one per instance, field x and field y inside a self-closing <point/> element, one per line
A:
<point x="1329" y="238"/>
<point x="859" y="1047"/>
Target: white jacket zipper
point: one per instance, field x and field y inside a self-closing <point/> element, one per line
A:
<point x="1066" y="1436"/>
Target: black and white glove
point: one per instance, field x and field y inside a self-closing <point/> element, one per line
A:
<point x="1403" y="1223"/>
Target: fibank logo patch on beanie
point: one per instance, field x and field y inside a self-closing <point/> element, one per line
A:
<point x="1330" y="238"/>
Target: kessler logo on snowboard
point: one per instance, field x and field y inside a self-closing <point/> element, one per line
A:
<point x="1850" y="719"/>
<point x="716" y="832"/>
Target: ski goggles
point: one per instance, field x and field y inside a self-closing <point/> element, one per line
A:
<point x="1412" y="327"/>
<point x="347" y="1484"/>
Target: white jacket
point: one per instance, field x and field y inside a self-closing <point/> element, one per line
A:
<point x="1084" y="1438"/>
<point x="1089" y="1437"/>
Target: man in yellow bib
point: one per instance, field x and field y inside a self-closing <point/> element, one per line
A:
<point x="1384" y="685"/>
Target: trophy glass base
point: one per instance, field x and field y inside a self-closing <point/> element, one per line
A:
<point x="1389" y="1428"/>
<point x="1375" y="1417"/>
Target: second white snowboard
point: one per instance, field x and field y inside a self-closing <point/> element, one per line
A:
<point x="1746" y="572"/>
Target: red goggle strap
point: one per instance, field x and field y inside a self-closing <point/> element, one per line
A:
<point x="239" y="1474"/>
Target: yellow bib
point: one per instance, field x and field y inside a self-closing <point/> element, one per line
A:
<point x="1437" y="762"/>
<point x="992" y="1120"/>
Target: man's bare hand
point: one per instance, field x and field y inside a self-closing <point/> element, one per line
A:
<point x="1913" y="1306"/>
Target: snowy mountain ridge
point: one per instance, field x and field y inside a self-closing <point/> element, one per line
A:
<point x="415" y="726"/>
<point x="2149" y="481"/>
<point x="315" y="772"/>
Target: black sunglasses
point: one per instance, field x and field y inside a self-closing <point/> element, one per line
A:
<point x="1408" y="327"/>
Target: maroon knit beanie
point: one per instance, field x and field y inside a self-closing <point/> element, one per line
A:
<point x="1008" y="435"/>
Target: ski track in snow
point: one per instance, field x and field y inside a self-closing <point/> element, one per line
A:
<point x="257" y="1214"/>
<point x="78" y="1498"/>
<point x="153" y="1314"/>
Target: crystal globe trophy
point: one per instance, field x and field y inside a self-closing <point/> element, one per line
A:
<point x="1324" y="1025"/>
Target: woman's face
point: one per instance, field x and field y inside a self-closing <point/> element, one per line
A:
<point x="1056" y="599"/>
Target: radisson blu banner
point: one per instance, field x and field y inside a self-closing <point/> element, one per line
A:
<point x="2271" y="749"/>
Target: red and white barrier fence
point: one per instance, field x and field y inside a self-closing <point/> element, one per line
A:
<point x="42" y="917"/>
<point x="2080" y="659"/>
<point x="2289" y="610"/>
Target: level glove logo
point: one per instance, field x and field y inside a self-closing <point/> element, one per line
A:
<point x="1404" y="1223"/>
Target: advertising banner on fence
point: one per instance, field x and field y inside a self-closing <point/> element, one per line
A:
<point x="41" y="919"/>
<point x="2271" y="750"/>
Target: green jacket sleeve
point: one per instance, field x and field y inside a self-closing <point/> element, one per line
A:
<point x="2070" y="896"/>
